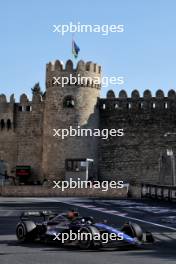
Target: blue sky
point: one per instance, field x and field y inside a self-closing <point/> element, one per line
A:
<point x="145" y="54"/>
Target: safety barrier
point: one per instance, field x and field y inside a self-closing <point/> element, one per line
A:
<point x="159" y="192"/>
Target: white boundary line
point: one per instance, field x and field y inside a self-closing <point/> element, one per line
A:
<point x="127" y="217"/>
<point x="94" y="209"/>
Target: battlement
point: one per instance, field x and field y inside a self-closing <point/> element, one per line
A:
<point x="135" y="103"/>
<point x="23" y="99"/>
<point x="81" y="67"/>
<point x="24" y="104"/>
<point x="85" y="74"/>
<point x="3" y="99"/>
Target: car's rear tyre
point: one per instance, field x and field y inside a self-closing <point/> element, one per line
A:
<point x="89" y="242"/>
<point x="26" y="231"/>
<point x="85" y="241"/>
<point x="21" y="232"/>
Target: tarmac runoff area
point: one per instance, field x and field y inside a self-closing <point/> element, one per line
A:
<point x="158" y="217"/>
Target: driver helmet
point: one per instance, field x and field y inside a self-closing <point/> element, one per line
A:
<point x="72" y="214"/>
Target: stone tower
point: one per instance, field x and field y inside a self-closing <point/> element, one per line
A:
<point x="69" y="105"/>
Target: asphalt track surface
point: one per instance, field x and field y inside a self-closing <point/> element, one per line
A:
<point x="160" y="218"/>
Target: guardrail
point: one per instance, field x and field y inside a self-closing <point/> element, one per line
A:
<point x="159" y="192"/>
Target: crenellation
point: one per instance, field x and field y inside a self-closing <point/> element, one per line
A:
<point x="110" y="94"/>
<point x="80" y="66"/>
<point x="135" y="95"/>
<point x="24" y="99"/>
<point x="171" y="94"/>
<point x="159" y="94"/>
<point x="3" y="98"/>
<point x="123" y="94"/>
<point x="69" y="66"/>
<point x="12" y="99"/>
<point x="57" y="65"/>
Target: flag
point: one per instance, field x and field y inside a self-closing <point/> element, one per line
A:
<point x="75" y="49"/>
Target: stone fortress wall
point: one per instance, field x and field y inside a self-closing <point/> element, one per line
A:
<point x="146" y="121"/>
<point x="26" y="128"/>
<point x="21" y="129"/>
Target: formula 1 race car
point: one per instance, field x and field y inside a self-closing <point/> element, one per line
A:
<point x="72" y="229"/>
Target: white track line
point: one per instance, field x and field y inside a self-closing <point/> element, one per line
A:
<point x="120" y="215"/>
<point x="106" y="212"/>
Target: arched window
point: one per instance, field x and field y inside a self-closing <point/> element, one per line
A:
<point x="9" y="124"/>
<point x="2" y="124"/>
<point x="69" y="101"/>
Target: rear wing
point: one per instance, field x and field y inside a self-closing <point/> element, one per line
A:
<point x="45" y="214"/>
